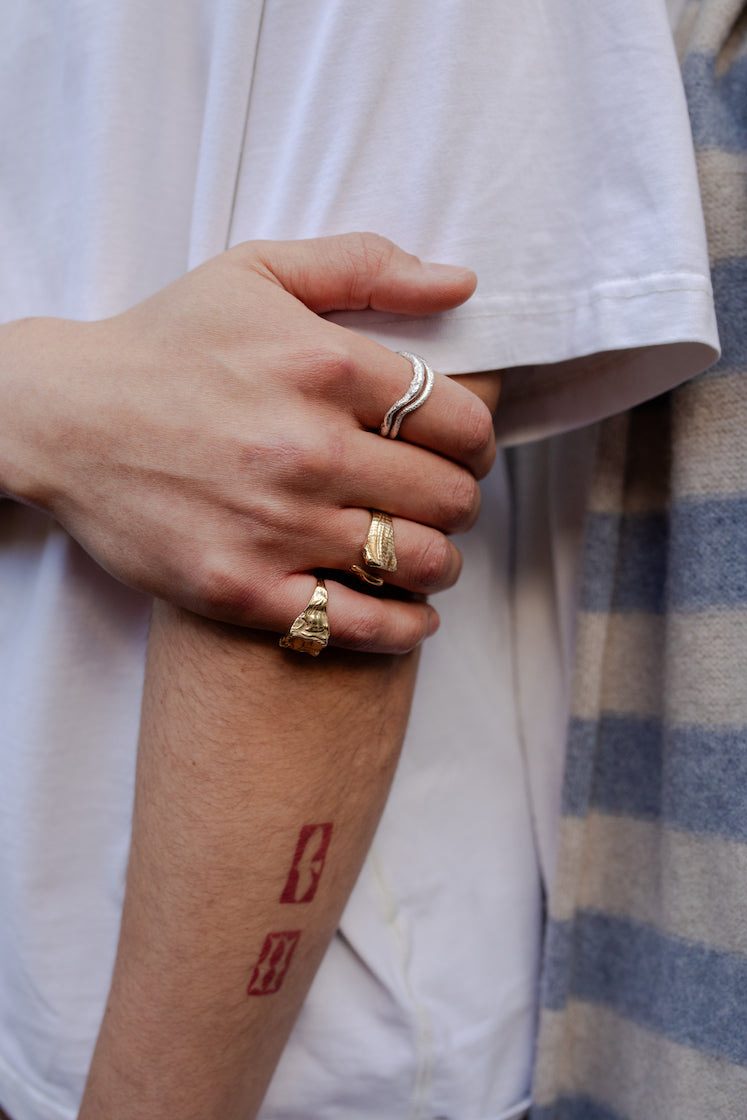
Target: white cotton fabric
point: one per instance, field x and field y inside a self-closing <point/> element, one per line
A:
<point x="546" y="146"/>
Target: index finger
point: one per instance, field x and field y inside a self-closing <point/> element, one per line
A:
<point x="453" y="421"/>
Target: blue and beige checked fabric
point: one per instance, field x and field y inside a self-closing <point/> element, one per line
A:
<point x="645" y="996"/>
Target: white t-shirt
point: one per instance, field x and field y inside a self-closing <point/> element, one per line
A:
<point x="548" y="150"/>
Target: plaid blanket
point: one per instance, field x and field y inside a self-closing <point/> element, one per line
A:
<point x="644" y="1012"/>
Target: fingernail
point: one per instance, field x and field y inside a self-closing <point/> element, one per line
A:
<point x="447" y="269"/>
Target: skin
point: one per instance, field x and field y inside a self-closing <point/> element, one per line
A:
<point x="241" y="745"/>
<point x="213" y="446"/>
<point x="216" y="443"/>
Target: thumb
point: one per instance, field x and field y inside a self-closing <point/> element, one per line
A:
<point x="356" y="270"/>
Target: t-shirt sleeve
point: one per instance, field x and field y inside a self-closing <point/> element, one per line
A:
<point x="557" y="161"/>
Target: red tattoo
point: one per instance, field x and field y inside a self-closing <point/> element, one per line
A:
<point x="270" y="969"/>
<point x="306" y="869"/>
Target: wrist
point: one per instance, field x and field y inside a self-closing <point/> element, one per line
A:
<point x="31" y="359"/>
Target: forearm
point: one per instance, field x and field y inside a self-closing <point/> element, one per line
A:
<point x="251" y="763"/>
<point x="244" y="748"/>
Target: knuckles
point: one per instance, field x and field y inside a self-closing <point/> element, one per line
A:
<point x="477" y="439"/>
<point x="327" y="368"/>
<point x="369" y="254"/>
<point x="372" y="633"/>
<point x="458" y="503"/>
<point x="301" y="458"/>
<point x="433" y="568"/>
<point x="222" y="593"/>
<point x="366" y="637"/>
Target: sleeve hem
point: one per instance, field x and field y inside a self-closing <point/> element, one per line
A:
<point x="570" y="359"/>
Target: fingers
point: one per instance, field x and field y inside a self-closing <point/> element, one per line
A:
<point x="356" y="620"/>
<point x="427" y="561"/>
<point x="453" y="421"/>
<point x="357" y="270"/>
<point x="408" y="482"/>
<point x="362" y="622"/>
<point x="370" y="625"/>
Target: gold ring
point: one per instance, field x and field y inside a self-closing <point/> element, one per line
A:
<point x="378" y="550"/>
<point x="309" y="633"/>
<point x="367" y="577"/>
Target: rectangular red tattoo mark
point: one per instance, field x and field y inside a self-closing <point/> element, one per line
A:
<point x="308" y="861"/>
<point x="270" y="969"/>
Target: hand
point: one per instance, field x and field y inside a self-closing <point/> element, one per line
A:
<point x="216" y="443"/>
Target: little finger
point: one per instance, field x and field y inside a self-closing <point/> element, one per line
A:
<point x="361" y="622"/>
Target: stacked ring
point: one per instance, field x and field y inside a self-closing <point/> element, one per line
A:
<point x="417" y="393"/>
